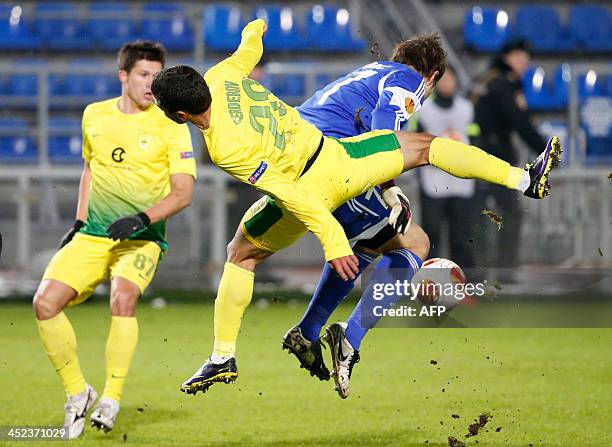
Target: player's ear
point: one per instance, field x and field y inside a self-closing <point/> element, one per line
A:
<point x="433" y="79"/>
<point x="183" y="116"/>
<point x="122" y="75"/>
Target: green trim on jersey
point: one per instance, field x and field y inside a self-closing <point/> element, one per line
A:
<point x="264" y="219"/>
<point x="364" y="147"/>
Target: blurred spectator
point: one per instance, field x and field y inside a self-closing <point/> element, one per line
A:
<point x="501" y="109"/>
<point x="444" y="198"/>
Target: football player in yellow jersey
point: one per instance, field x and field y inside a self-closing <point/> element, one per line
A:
<point x="258" y="139"/>
<point x="138" y="171"/>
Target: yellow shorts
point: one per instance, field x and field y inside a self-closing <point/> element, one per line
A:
<point x="88" y="260"/>
<point x="344" y="169"/>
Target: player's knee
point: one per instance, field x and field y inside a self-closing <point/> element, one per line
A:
<point x="243" y="254"/>
<point x="45" y="307"/>
<point x="123" y="302"/>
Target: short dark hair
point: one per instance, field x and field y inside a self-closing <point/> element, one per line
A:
<point x="132" y="52"/>
<point x="181" y="88"/>
<point x="424" y="53"/>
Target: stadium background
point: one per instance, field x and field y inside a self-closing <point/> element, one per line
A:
<point x="56" y="57"/>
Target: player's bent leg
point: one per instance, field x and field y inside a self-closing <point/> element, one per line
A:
<point x="120" y="347"/>
<point x="416" y="240"/>
<point x="233" y="297"/>
<point x="465" y="161"/>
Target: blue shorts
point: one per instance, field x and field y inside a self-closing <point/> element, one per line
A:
<point x="364" y="216"/>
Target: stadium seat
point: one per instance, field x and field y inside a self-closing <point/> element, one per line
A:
<point x="168" y="24"/>
<point x="589" y="84"/>
<point x="15" y="32"/>
<point x="59" y="27"/>
<point x="110" y="25"/>
<point x="17" y="149"/>
<point x="65" y="140"/>
<point x="282" y="34"/>
<point x="23" y="85"/>
<point x="538" y="91"/>
<point x="591" y="28"/>
<point x="541" y="26"/>
<point x="595" y="115"/>
<point x="486" y="29"/>
<point x="330" y="29"/>
<point x="100" y="86"/>
<point x="222" y="27"/>
<point x="288" y="87"/>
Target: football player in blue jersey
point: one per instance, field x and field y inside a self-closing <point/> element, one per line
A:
<point x="380" y="95"/>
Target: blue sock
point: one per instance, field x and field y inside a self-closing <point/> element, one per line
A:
<point x="395" y="259"/>
<point x="330" y="291"/>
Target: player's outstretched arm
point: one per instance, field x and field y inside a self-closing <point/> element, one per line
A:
<point x="180" y="197"/>
<point x="81" y="214"/>
<point x="250" y="50"/>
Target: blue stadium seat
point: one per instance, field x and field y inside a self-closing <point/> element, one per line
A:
<point x="59" y="27"/>
<point x="541" y="26"/>
<point x="589" y="84"/>
<point x="65" y="140"/>
<point x="329" y="29"/>
<point x="101" y="86"/>
<point x="110" y="25"/>
<point x="282" y="34"/>
<point x="486" y="29"/>
<point x="222" y="27"/>
<point x="538" y="91"/>
<point x="168" y="24"/>
<point x="15" y="32"/>
<point x="17" y="149"/>
<point x="591" y="27"/>
<point x="287" y="86"/>
<point x="595" y="113"/>
<point x="23" y="85"/>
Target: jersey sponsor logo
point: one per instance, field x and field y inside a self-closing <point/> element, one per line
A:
<point x="187" y="154"/>
<point x="118" y="154"/>
<point x="232" y="95"/>
<point x="256" y="175"/>
<point x="144" y="140"/>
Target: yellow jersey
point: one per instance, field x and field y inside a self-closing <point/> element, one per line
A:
<point x="260" y="140"/>
<point x="131" y="157"/>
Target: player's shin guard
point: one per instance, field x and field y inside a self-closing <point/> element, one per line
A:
<point x="330" y="291"/>
<point x="234" y="295"/>
<point x="59" y="341"/>
<point x="402" y="259"/>
<point x="465" y="161"/>
<point x="120" y="347"/>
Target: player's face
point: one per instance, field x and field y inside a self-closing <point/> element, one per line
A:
<point x="137" y="83"/>
<point x="518" y="61"/>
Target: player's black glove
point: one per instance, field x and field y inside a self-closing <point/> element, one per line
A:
<point x="78" y="224"/>
<point x="401" y="214"/>
<point x="126" y="226"/>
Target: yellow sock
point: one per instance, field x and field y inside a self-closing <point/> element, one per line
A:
<point x="59" y="341"/>
<point x="120" y="347"/>
<point x="465" y="161"/>
<point x="234" y="295"/>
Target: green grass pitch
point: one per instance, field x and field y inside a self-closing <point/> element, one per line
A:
<point x="543" y="387"/>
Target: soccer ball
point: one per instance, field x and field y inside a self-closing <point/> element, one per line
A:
<point x="440" y="282"/>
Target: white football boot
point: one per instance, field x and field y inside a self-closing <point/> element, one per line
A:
<point x="103" y="417"/>
<point x="343" y="355"/>
<point x="75" y="411"/>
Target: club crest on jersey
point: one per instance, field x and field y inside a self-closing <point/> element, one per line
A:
<point x="258" y="172"/>
<point x="409" y="105"/>
<point x="144" y="140"/>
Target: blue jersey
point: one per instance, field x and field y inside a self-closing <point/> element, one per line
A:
<point x="380" y="95"/>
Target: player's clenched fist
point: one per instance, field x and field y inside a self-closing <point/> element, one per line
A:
<point x="126" y="226"/>
<point x="347" y="267"/>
